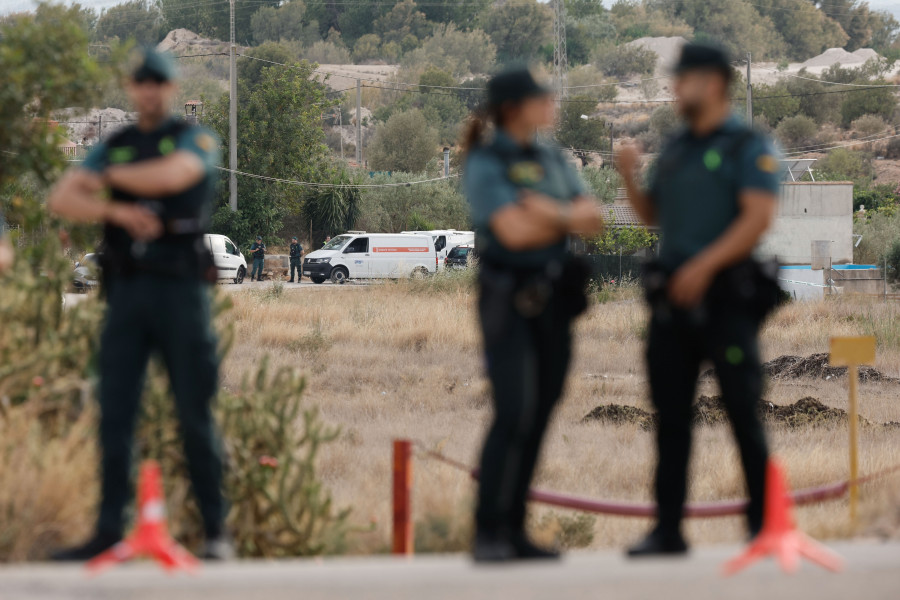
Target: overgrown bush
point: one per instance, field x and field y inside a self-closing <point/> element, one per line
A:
<point x="624" y="60"/>
<point x="868" y="126"/>
<point x="796" y="132"/>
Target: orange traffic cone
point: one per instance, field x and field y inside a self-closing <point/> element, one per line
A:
<point x="780" y="536"/>
<point x="150" y="537"/>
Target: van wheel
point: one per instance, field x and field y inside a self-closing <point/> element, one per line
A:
<point x="240" y="275"/>
<point x="318" y="279"/>
<point x="419" y="273"/>
<point x="339" y="275"/>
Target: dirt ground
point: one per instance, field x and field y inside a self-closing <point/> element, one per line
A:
<point x="394" y="360"/>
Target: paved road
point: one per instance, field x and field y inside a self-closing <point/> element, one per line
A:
<point x="872" y="573"/>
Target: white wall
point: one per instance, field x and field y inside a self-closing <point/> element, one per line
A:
<point x="808" y="212"/>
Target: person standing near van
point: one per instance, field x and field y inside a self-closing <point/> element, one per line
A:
<point x="713" y="195"/>
<point x="296" y="256"/>
<point x="525" y="200"/>
<point x="258" y="251"/>
<point x="151" y="184"/>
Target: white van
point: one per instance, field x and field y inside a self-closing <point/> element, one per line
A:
<point x="228" y="257"/>
<point x="360" y="255"/>
<point x="445" y="240"/>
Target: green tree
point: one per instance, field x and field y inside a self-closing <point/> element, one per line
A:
<point x="456" y="51"/>
<point x="250" y="72"/>
<point x="136" y="20"/>
<point x="46" y="66"/>
<point x="440" y="203"/>
<point x="279" y="135"/>
<point x="585" y="32"/>
<point x="287" y="22"/>
<point x="212" y="19"/>
<point x="518" y="29"/>
<point x="404" y="143"/>
<point x="806" y="30"/>
<point x="366" y="48"/>
<point x="404" y="19"/>
<point x="739" y="28"/>
<point x="623" y="61"/>
<point x="462" y="14"/>
<point x="773" y="102"/>
<point x="580" y="130"/>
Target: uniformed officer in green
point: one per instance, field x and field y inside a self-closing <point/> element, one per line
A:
<point x="151" y="184"/>
<point x="258" y="251"/>
<point x="713" y="195"/>
<point x="296" y="256"/>
<point x="525" y="200"/>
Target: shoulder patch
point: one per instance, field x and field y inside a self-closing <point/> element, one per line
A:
<point x="767" y="163"/>
<point x="205" y="142"/>
<point x="122" y="154"/>
<point x="167" y="145"/>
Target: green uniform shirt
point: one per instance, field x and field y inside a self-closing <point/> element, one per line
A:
<point x="697" y="181"/>
<point x="494" y="176"/>
<point x="191" y="206"/>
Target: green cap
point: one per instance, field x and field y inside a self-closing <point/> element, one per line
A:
<point x="153" y="64"/>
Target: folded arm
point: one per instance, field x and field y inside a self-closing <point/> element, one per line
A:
<point x="164" y="176"/>
<point x="537" y="221"/>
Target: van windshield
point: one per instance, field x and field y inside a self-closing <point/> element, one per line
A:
<point x="337" y="243"/>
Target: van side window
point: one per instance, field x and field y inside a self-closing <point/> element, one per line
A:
<point x="218" y="245"/>
<point x="229" y="247"/>
<point x="440" y="243"/>
<point x="357" y="246"/>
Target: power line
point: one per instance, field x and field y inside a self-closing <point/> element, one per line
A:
<point x="823" y="81"/>
<point x="333" y="185"/>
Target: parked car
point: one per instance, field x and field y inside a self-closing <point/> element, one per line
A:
<point x="460" y="257"/>
<point x="86" y="276"/>
<point x="229" y="259"/>
<point x="445" y="240"/>
<point x="360" y="255"/>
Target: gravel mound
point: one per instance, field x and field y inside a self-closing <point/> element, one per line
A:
<point x="839" y="55"/>
<point x="667" y="50"/>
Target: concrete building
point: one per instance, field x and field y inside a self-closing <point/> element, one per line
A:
<point x="809" y="212"/>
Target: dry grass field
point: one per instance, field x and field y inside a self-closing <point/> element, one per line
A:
<point x="403" y="360"/>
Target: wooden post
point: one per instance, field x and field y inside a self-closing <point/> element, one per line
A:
<point x="853" y="415"/>
<point x="402" y="495"/>
<point x="851" y="352"/>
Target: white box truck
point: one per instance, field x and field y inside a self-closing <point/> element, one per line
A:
<point x="360" y="255"/>
<point x="445" y="240"/>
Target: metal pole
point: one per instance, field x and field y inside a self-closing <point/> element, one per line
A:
<point x="358" y="122"/>
<point x="749" y="94"/>
<point x="612" y="155"/>
<point x="402" y="496"/>
<point x="341" y="130"/>
<point x="99" y="128"/>
<point x="446" y="162"/>
<point x="232" y="119"/>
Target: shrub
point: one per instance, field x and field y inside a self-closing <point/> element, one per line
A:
<point x="892" y="150"/>
<point x="325" y="52"/>
<point x="623" y="61"/>
<point x="796" y="132"/>
<point x="893" y="261"/>
<point x="868" y="126"/>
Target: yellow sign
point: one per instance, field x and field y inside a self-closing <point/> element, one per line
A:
<point x="857" y="350"/>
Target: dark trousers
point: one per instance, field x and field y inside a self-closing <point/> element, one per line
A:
<point x="147" y="314"/>
<point x="257" y="269"/>
<point x="678" y="343"/>
<point x="295" y="264"/>
<point x="527" y="360"/>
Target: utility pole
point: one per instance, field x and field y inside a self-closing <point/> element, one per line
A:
<point x="232" y="120"/>
<point x="99" y="128"/>
<point x="341" y="130"/>
<point x="560" y="59"/>
<point x="749" y="94"/>
<point x="446" y="161"/>
<point x="359" y="122"/>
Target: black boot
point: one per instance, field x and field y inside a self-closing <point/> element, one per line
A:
<point x="100" y="543"/>
<point x="659" y="542"/>
<point x="527" y="550"/>
<point x="493" y="548"/>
